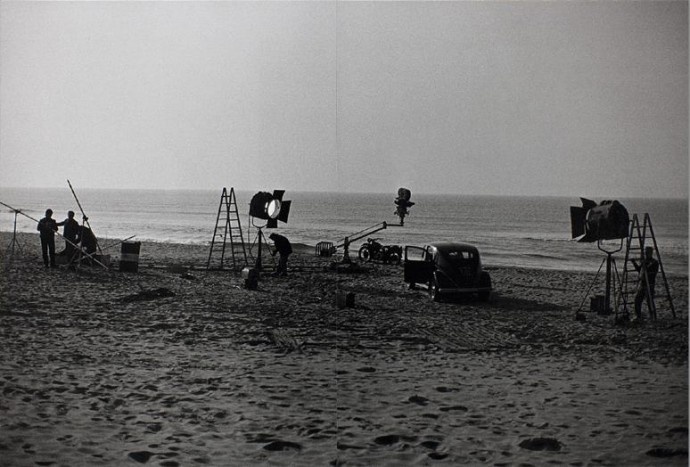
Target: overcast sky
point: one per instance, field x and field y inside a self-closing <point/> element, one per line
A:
<point x="506" y="98"/>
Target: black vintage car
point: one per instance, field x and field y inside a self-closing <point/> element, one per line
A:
<point x="447" y="269"/>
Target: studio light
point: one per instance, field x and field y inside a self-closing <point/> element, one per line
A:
<point x="593" y="222"/>
<point x="270" y="207"/>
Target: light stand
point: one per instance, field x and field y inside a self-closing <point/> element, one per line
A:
<point x="346" y="251"/>
<point x="14" y="241"/>
<point x="260" y="239"/>
<point x="610" y="262"/>
<point x="610" y="267"/>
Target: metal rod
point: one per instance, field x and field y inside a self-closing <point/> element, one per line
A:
<point x="590" y="287"/>
<point x="86" y="219"/>
<point x="117" y="243"/>
<point x="607" y="296"/>
<point x="362" y="233"/>
<point x="648" y="220"/>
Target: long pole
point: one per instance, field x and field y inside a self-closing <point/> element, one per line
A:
<point x="258" y="264"/>
<point x="362" y="233"/>
<point x="607" y="298"/>
<point x="86" y="219"/>
<point x="110" y="245"/>
<point x="91" y="255"/>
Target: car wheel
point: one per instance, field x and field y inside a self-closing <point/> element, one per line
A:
<point x="364" y="254"/>
<point x="433" y="291"/>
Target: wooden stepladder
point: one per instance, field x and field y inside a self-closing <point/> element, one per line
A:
<point x="639" y="236"/>
<point x="230" y="232"/>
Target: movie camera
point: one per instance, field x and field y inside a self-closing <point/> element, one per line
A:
<point x="403" y="203"/>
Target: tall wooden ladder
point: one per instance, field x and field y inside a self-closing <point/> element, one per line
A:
<point x="229" y="232"/>
<point x="638" y="235"/>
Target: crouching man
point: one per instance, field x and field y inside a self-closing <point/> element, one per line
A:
<point x="284" y="248"/>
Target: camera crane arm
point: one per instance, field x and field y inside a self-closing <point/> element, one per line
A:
<point x="361" y="234"/>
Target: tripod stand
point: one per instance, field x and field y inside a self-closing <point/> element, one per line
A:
<point x="260" y="239"/>
<point x="14" y="241"/>
<point x="610" y="262"/>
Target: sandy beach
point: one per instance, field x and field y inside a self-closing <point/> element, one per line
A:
<point x="176" y="366"/>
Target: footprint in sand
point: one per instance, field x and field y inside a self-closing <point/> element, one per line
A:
<point x="419" y="400"/>
<point x="343" y="446"/>
<point x="141" y="456"/>
<point x="667" y="452"/>
<point x="388" y="440"/>
<point x="460" y="408"/>
<point x="429" y="444"/>
<point x="279" y="445"/>
<point x="541" y="444"/>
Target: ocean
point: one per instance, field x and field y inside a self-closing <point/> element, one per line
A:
<point x="529" y="232"/>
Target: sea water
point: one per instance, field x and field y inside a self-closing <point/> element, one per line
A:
<point x="509" y="231"/>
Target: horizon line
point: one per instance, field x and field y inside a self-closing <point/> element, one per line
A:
<point x="422" y="193"/>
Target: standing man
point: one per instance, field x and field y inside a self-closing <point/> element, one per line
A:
<point x="70" y="232"/>
<point x="47" y="227"/>
<point x="283" y="247"/>
<point x="648" y="269"/>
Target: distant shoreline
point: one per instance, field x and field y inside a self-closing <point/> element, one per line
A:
<point x="196" y="255"/>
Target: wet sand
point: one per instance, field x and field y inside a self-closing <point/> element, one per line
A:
<point x="175" y="366"/>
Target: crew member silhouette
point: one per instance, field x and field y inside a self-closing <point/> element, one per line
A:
<point x="284" y="248"/>
<point x="648" y="269"/>
<point x="47" y="228"/>
<point x="70" y="232"/>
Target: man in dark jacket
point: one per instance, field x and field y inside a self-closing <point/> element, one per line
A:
<point x="47" y="227"/>
<point x="70" y="232"/>
<point x="283" y="247"/>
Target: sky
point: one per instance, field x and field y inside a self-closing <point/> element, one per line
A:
<point x="555" y="98"/>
